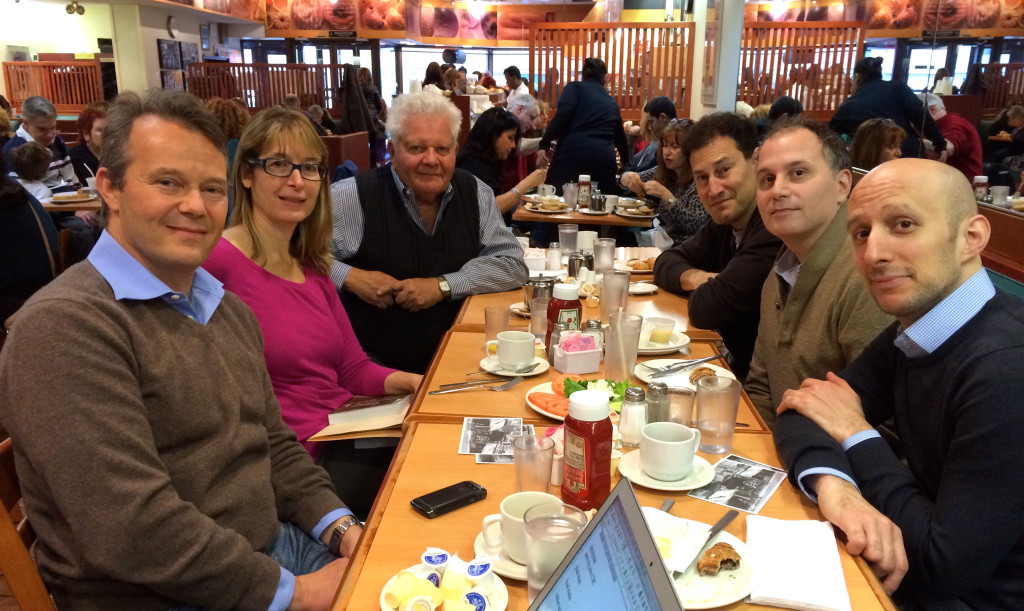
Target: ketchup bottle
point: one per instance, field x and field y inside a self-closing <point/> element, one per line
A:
<point x="587" y="462"/>
<point x="564" y="306"/>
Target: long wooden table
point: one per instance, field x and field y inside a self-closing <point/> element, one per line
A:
<point x="427" y="459"/>
<point x="461" y="352"/>
<point x="575" y="216"/>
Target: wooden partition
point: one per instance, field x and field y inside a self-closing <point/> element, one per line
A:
<point x="70" y="85"/>
<point x="264" y="85"/>
<point x="811" y="62"/>
<point x="354" y="147"/>
<point x="645" y="60"/>
<point x="1001" y="85"/>
<point x="1005" y="251"/>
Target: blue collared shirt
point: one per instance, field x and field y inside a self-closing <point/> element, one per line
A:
<point x="922" y="338"/>
<point x="129" y="279"/>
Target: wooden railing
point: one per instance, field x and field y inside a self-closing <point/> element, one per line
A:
<point x="263" y="85"/>
<point x="645" y="60"/>
<point x="812" y="62"/>
<point x="70" y="85"/>
<point x="1001" y="85"/>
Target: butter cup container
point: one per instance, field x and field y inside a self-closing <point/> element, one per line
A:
<point x="481" y="574"/>
<point x="478" y="599"/>
<point x="435" y="559"/>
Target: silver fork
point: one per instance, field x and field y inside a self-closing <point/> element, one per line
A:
<point x="500" y="387"/>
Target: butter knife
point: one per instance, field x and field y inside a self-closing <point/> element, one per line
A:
<point x="717" y="528"/>
<point x="688" y="364"/>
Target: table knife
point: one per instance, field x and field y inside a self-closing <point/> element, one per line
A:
<point x="717" y="528"/>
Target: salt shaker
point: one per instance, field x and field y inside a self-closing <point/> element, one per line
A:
<point x="554" y="256"/>
<point x="593" y="329"/>
<point x="657" y="402"/>
<point x="633" y="417"/>
<point x="556" y="336"/>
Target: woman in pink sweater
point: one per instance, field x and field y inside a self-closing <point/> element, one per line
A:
<point x="275" y="255"/>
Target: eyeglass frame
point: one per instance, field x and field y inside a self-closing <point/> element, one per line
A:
<point x="262" y="162"/>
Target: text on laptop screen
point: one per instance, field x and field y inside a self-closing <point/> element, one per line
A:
<point x="607" y="572"/>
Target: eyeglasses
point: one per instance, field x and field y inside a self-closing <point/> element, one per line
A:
<point x="282" y="168"/>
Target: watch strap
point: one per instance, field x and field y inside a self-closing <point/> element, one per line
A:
<point x="339" y="531"/>
<point x="446" y="289"/>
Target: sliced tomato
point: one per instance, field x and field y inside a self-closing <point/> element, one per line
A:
<point x="558" y="384"/>
<point x="553" y="404"/>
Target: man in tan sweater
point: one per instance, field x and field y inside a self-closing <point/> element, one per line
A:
<point x="816" y="314"/>
<point x="154" y="463"/>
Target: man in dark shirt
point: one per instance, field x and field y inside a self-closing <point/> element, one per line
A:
<point x="946" y="527"/>
<point x="659" y="111"/>
<point x="723" y="266"/>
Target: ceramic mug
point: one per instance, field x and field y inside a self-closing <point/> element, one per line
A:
<point x="512" y="536"/>
<point x="543" y="190"/>
<point x="514" y="349"/>
<point x="667" y="450"/>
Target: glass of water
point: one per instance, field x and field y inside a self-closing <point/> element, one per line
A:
<point x="718" y="402"/>
<point x="551" y="530"/>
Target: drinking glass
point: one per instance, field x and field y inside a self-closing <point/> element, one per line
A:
<point x="532" y="455"/>
<point x="614" y="289"/>
<point x="623" y="339"/>
<point x="539" y="316"/>
<point x="604" y="254"/>
<point x="567" y="233"/>
<point x="570" y="191"/>
<point x="718" y="401"/>
<point x="551" y="531"/>
<point x="495" y="321"/>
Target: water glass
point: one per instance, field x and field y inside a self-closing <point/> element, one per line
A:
<point x="551" y="531"/>
<point x="680" y="405"/>
<point x="604" y="254"/>
<point x="567" y="233"/>
<point x="585" y="240"/>
<point x="570" y="191"/>
<point x="718" y="402"/>
<point x="539" y="316"/>
<point x="614" y="290"/>
<point x="532" y="456"/>
<point x="623" y="340"/>
<point x="496" y="319"/>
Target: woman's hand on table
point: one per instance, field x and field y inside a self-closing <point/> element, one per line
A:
<point x="869" y="533"/>
<point x="315" y="591"/>
<point x="402" y="383"/>
<point x="655" y="188"/>
<point x="631" y="181"/>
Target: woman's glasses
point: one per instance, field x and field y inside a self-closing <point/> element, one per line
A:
<point x="282" y="168"/>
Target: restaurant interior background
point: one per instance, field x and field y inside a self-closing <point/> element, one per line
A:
<point x="398" y="38"/>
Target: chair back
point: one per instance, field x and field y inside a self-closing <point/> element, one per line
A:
<point x="16" y="538"/>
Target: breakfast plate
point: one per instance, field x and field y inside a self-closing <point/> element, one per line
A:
<point x="629" y="202"/>
<point x="498" y="600"/>
<point x="630" y="213"/>
<point x="542" y="388"/>
<point x="593" y="212"/>
<point x="533" y="198"/>
<point x="700" y="591"/>
<point x="503" y="565"/>
<point x="78" y="199"/>
<point x="622" y="267"/>
<point x="519" y="309"/>
<point x="679" y="379"/>
<point x="642" y="288"/>
<point x="701" y="475"/>
<point x="677" y="341"/>
<point x="490" y="365"/>
<point x="537" y="208"/>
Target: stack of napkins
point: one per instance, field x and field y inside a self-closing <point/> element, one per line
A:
<point x="797" y="565"/>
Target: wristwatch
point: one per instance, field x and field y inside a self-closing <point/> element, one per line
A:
<point x="339" y="531"/>
<point x="446" y="289"/>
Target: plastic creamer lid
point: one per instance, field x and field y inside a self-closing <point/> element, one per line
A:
<point x="584" y="177"/>
<point x="588" y="405"/>
<point x="566" y="292"/>
<point x="980" y="179"/>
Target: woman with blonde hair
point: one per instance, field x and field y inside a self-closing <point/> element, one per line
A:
<point x="876" y="141"/>
<point x="275" y="256"/>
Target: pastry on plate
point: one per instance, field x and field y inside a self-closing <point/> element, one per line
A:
<point x="701" y="372"/>
<point x="719" y="557"/>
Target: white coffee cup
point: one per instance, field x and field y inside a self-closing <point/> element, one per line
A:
<point x="667" y="449"/>
<point x="512" y="536"/>
<point x="610" y="201"/>
<point x="515" y="349"/>
<point x="545" y="190"/>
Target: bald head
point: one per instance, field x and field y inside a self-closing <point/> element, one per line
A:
<point x="941" y="186"/>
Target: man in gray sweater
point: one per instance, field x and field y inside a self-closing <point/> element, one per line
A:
<point x="154" y="463"/>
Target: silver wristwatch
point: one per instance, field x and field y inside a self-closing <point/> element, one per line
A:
<point x="339" y="531"/>
<point x="446" y="289"/>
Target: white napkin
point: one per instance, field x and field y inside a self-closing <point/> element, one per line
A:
<point x="797" y="565"/>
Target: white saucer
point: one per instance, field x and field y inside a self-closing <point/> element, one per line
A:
<point x="701" y="475"/>
<point x="519" y="309"/>
<point x="503" y="565"/>
<point x="642" y="288"/>
<point x="490" y="364"/>
<point x="677" y="341"/>
<point x="498" y="599"/>
<point x="593" y="212"/>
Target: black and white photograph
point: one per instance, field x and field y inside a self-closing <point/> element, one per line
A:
<point x="741" y="484"/>
<point x="489" y="435"/>
<point x="502" y="459"/>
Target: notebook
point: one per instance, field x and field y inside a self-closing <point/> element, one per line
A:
<point x="613" y="565"/>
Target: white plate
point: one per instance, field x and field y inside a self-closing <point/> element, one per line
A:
<point x="678" y="340"/>
<point x="545" y="388"/>
<point x="629" y="202"/>
<point x="700" y="591"/>
<point x="681" y="378"/>
<point x="519" y="309"/>
<point x="498" y="599"/>
<point x="76" y="200"/>
<point x="701" y="475"/>
<point x="593" y="212"/>
<point x="540" y="210"/>
<point x="533" y="198"/>
<point x="635" y="216"/>
<point x="622" y="267"/>
<point x="490" y="364"/>
<point x="642" y="288"/>
<point x="503" y="565"/>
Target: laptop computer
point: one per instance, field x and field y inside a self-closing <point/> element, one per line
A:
<point x="613" y="565"/>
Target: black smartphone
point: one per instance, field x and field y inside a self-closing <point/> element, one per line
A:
<point x="449" y="499"/>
